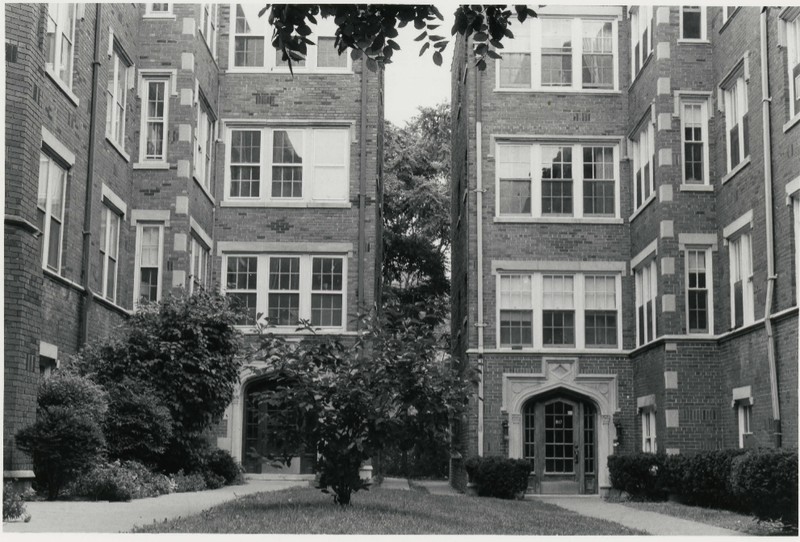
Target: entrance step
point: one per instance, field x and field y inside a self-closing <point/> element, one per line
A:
<point x="559" y="487"/>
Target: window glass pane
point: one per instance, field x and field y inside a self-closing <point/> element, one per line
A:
<point x="692" y="22"/>
<point x="558" y="292"/>
<point x="515" y="197"/>
<point x="556" y="52"/>
<point x="515" y="292"/>
<point x="328" y="56"/>
<point x="326" y="310"/>
<point x="245" y="149"/>
<point x="248" y="50"/>
<point x="516" y="328"/>
<point x="556" y="180"/>
<point x="598" y="57"/>
<point x="515" y="70"/>
<point x="327" y="274"/>
<point x="287" y="180"/>
<point x="284" y="273"/>
<point x="514" y="161"/>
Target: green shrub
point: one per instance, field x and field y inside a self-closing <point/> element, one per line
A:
<point x="185" y="483"/>
<point x="642" y="475"/>
<point x="138" y="426"/>
<point x="222" y="464"/>
<point x="213" y="481"/>
<point x="765" y="481"/>
<point x="13" y="503"/>
<point x="67" y="437"/>
<point x="498" y="476"/>
<point x="704" y="479"/>
<point x="120" y="481"/>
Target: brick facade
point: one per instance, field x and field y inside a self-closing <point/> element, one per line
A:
<point x="53" y="312"/>
<point x="686" y="380"/>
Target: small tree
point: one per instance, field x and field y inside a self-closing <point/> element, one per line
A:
<point x="186" y="350"/>
<point x="67" y="437"/>
<point x="350" y="402"/>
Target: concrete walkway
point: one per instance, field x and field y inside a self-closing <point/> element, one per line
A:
<point x="115" y="517"/>
<point x="395" y="483"/>
<point x="651" y="522"/>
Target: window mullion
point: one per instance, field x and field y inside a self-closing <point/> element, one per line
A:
<point x="579" y="303"/>
<point x="577" y="181"/>
<point x="536" y="180"/>
<point x="267" y="144"/>
<point x="306" y="267"/>
<point x="537" y="298"/>
<point x="536" y="54"/>
<point x="262" y="285"/>
<point x="577" y="53"/>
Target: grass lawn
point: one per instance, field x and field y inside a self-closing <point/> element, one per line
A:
<point x="382" y="511"/>
<point x="711" y="516"/>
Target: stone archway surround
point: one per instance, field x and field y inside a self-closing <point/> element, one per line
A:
<point x="562" y="374"/>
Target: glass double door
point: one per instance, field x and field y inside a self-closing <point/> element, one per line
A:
<point x="560" y="441"/>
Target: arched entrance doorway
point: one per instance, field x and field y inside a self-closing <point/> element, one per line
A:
<point x="560" y="440"/>
<point x="258" y="436"/>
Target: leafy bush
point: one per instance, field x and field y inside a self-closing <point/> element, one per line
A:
<point x="765" y="481"/>
<point x="120" y="481"/>
<point x="222" y="464"/>
<point x="67" y="437"/>
<point x="185" y="483"/>
<point x="498" y="476"/>
<point x="704" y="479"/>
<point x="138" y="426"/>
<point x="13" y="503"/>
<point x="213" y="481"/>
<point x="642" y="475"/>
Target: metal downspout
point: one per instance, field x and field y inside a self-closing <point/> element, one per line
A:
<point x="479" y="210"/>
<point x="86" y="264"/>
<point x="765" y="111"/>
<point x="362" y="188"/>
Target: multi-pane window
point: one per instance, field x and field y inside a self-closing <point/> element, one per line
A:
<point x="598" y="54"/>
<point x="601" y="311"/>
<point x="538" y="180"/>
<point x="698" y="290"/>
<point x="208" y="26"/>
<point x="293" y="288"/>
<point x="561" y="53"/>
<point x="558" y="314"/>
<point x="61" y="40"/>
<point x="303" y="165"/>
<point x="160" y="9"/>
<point x="649" y="431"/>
<point x="694" y="132"/>
<point x="643" y="152"/>
<point x="251" y="49"/>
<point x="641" y="37"/>
<point x="545" y="310"/>
<point x="646" y="288"/>
<point x="109" y="252"/>
<point x="516" y="311"/>
<point x="50" y="210"/>
<point x="529" y="440"/>
<point x="736" y="122"/>
<point x="693" y="22"/>
<point x="117" y="97"/>
<point x="199" y="255"/>
<point x="155" y="118"/>
<point x="203" y="143"/>
<point x="149" y="243"/>
<point x="744" y="411"/>
<point x="556" y="61"/>
<point x="241" y="284"/>
<point x="556" y="180"/>
<point x="741" y="280"/>
<point x="793" y="62"/>
<point x="598" y="181"/>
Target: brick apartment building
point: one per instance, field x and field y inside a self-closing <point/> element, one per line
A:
<point x="626" y="218"/>
<point x="157" y="147"/>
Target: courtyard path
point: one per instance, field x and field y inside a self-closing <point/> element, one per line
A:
<point x="115" y="517"/>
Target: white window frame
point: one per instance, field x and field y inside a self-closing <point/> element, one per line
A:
<point x="744" y="418"/>
<point x="305" y="291"/>
<point x="740" y="253"/>
<point x="709" y="272"/>
<point x="109" y="214"/>
<point x="45" y="195"/>
<point x="61" y="65"/>
<point x="536" y="181"/>
<point x="199" y="253"/>
<point x="791" y="27"/>
<point x="643" y="154"/>
<point x="209" y="26"/>
<point x="309" y="196"/>
<point x="641" y="20"/>
<point x="534" y="28"/>
<point x="140" y="226"/>
<point x="703" y="105"/>
<point x="578" y="306"/>
<point x="323" y="28"/>
<point x="649" y="437"/>
<point x="145" y="119"/>
<point x="735" y="98"/>
<point x="150" y="13"/>
<point x="703" y="24"/>
<point x="203" y="142"/>
<point x="121" y="71"/>
<point x="646" y="289"/>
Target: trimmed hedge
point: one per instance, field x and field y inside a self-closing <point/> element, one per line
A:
<point x="121" y="481"/>
<point x="498" y="476"/>
<point x="762" y="481"/>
